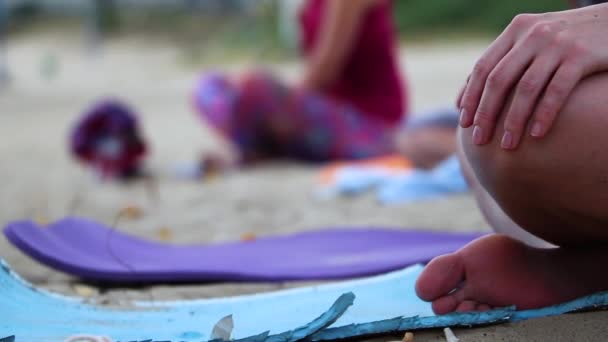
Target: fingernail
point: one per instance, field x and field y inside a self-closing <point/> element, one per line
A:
<point x="507" y="140"/>
<point x="477" y="136"/>
<point x="463" y="117"/>
<point x="537" y="130"/>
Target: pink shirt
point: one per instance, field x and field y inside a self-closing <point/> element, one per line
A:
<point x="370" y="79"/>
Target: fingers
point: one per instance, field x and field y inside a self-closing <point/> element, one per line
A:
<point x="485" y="66"/>
<point x="524" y="59"/>
<point x="461" y="93"/>
<point x="500" y="82"/>
<point x="477" y="81"/>
<point x="527" y="92"/>
<point x="538" y="44"/>
<point x="561" y="85"/>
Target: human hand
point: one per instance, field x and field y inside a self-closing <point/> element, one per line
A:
<point x="539" y="58"/>
<point x="309" y="82"/>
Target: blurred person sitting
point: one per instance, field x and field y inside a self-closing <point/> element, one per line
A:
<point x="348" y="104"/>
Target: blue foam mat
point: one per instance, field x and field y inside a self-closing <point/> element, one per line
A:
<point x="375" y="305"/>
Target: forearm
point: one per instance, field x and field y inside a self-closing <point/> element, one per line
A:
<point x="340" y="28"/>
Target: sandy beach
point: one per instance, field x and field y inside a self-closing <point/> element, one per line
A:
<point x="41" y="182"/>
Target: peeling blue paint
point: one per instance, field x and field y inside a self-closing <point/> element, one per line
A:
<point x="264" y="317"/>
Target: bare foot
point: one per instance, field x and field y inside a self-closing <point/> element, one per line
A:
<point x="427" y="147"/>
<point x="497" y="271"/>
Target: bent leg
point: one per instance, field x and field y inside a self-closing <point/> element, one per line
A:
<point x="494" y="215"/>
<point x="264" y="118"/>
<point x="239" y="111"/>
<point x="311" y="126"/>
<point x="553" y="188"/>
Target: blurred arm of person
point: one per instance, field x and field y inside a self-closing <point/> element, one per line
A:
<point x="539" y="58"/>
<point x="338" y="36"/>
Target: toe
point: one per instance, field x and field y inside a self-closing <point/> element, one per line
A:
<point x="467" y="306"/>
<point x="449" y="303"/>
<point x="440" y="277"/>
<point x="483" y="307"/>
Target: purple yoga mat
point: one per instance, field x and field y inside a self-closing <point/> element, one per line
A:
<point x="93" y="251"/>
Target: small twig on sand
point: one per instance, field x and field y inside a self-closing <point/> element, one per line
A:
<point x="449" y="335"/>
<point x="152" y="189"/>
<point x="124" y="212"/>
<point x="408" y="337"/>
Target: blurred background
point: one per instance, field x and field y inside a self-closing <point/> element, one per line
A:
<point x="46" y="41"/>
<point x="57" y="57"/>
<point x="90" y="49"/>
<point x="242" y="29"/>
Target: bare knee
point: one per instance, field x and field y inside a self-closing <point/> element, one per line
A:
<point x="509" y="177"/>
<point x="496" y="168"/>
